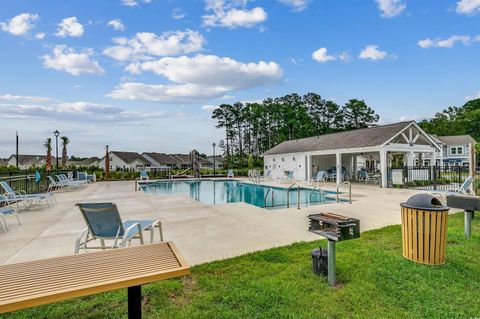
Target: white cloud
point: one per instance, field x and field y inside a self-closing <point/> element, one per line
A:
<point x="391" y="8"/>
<point x="23" y="98"/>
<point x="321" y="55"/>
<point x="21" y="24"/>
<point x="468" y="7"/>
<point x="69" y="27"/>
<point x="134" y="3"/>
<point x="209" y="108"/>
<point x="40" y="36"/>
<point x="67" y="59"/>
<point x="178" y="14"/>
<point x="232" y="14"/>
<point x="145" y="44"/>
<point x="444" y="43"/>
<point x="473" y="97"/>
<point x="116" y="24"/>
<point x="197" y="78"/>
<point x="371" y="52"/>
<point x="297" y="5"/>
<point x="76" y="112"/>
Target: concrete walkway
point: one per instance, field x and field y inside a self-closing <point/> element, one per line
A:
<point x="202" y="232"/>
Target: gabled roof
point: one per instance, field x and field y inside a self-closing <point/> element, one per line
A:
<point x="457" y="139"/>
<point x="367" y="137"/>
<point x="86" y="162"/>
<point x="181" y="158"/>
<point x="161" y="158"/>
<point x="130" y="157"/>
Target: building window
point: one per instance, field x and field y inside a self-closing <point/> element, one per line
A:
<point x="456" y="150"/>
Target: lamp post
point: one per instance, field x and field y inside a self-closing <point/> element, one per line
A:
<point x="56" y="133"/>
<point x="107" y="163"/>
<point x="16" y="153"/>
<point x="213" y="145"/>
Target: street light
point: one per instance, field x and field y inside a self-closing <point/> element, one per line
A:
<point x="213" y="145"/>
<point x="56" y="133"/>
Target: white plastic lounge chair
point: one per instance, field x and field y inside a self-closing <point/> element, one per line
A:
<point x="67" y="183"/>
<point x="464" y="189"/>
<point x="23" y="197"/>
<point x="6" y="211"/>
<point x="320" y="177"/>
<point x="230" y="174"/>
<point x="73" y="181"/>
<point x="104" y="223"/>
<point x="54" y="185"/>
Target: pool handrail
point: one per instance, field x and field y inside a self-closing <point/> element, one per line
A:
<point x="266" y="195"/>
<point x="298" y="196"/>
<point x="349" y="191"/>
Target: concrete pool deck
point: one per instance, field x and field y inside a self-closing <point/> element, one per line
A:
<point x="202" y="232"/>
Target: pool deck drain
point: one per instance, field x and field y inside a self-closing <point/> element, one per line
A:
<point x="202" y="232"/>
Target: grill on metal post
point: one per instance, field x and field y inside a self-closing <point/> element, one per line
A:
<point x="335" y="228"/>
<point x="469" y="204"/>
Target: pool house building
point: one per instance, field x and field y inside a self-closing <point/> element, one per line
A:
<point x="372" y="149"/>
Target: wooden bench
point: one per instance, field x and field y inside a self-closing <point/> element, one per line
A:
<point x="45" y="281"/>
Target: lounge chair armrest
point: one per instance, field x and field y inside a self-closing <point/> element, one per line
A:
<point x="21" y="192"/>
<point x="127" y="231"/>
<point x="78" y="242"/>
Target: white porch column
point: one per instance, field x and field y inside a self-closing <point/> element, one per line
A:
<point x="383" y="168"/>
<point x="433" y="162"/>
<point x="410" y="159"/>
<point x="309" y="167"/>
<point x="339" y="168"/>
<point x="354" y="167"/>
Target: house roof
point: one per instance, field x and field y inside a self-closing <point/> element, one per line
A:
<point x="161" y="158"/>
<point x="367" y="137"/>
<point x="86" y="162"/>
<point x="457" y="139"/>
<point x="218" y="159"/>
<point x="129" y="157"/>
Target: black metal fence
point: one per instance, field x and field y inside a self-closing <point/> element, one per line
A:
<point x="441" y="178"/>
<point x="25" y="180"/>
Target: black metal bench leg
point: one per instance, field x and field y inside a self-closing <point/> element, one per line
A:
<point x="135" y="302"/>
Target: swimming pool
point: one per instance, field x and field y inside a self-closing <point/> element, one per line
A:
<point x="231" y="191"/>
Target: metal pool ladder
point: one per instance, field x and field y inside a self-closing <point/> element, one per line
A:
<point x="298" y="198"/>
<point x="266" y="195"/>
<point x="349" y="191"/>
<point x="313" y="190"/>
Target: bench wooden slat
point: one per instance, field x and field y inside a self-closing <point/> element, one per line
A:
<point x="40" y="282"/>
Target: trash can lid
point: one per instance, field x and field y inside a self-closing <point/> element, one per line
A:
<point x="424" y="202"/>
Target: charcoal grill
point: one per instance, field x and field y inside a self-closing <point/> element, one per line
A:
<point x="469" y="204"/>
<point x="335" y="228"/>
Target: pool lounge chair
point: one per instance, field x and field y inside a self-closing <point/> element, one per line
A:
<point x="320" y="177"/>
<point x="5" y="210"/>
<point x="464" y="189"/>
<point x="230" y="174"/>
<point x="104" y="223"/>
<point x="143" y="175"/>
<point x="73" y="181"/>
<point x="24" y="198"/>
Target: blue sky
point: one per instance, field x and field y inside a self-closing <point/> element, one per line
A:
<point x="143" y="75"/>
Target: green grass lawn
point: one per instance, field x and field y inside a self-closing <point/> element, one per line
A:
<point x="375" y="282"/>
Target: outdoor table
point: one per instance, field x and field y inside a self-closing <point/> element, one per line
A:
<point x="45" y="281"/>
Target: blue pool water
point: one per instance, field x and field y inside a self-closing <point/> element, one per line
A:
<point x="230" y="191"/>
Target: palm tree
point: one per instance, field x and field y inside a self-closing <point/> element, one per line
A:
<point x="65" y="141"/>
<point x="48" y="147"/>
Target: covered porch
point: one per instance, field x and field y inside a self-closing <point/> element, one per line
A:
<point x="371" y="164"/>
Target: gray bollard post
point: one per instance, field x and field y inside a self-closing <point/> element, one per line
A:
<point x="468" y="223"/>
<point x="331" y="262"/>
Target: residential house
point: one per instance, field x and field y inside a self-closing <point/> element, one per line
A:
<point x="28" y="161"/>
<point x="160" y="160"/>
<point x="456" y="150"/>
<point x="208" y="162"/>
<point x="126" y="161"/>
<point x="92" y="161"/>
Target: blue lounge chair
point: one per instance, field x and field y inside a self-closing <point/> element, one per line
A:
<point x="104" y="223"/>
<point x="144" y="175"/>
<point x="230" y="174"/>
<point x="6" y="211"/>
<point x="22" y="197"/>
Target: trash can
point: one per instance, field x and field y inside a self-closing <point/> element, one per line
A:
<point x="424" y="229"/>
<point x="320" y="261"/>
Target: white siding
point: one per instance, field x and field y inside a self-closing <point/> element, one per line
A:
<point x="278" y="164"/>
